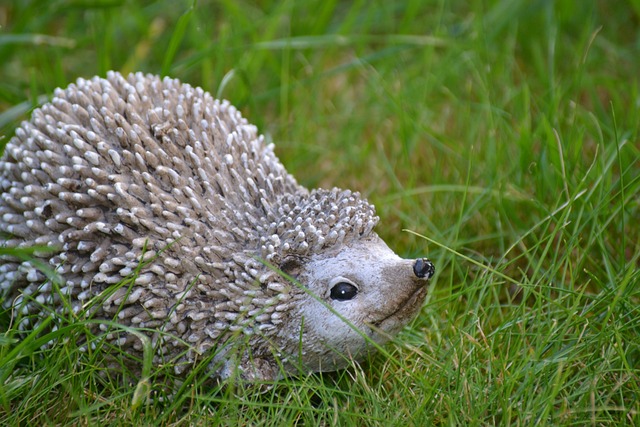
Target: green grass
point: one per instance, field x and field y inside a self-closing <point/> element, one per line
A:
<point x="505" y="132"/>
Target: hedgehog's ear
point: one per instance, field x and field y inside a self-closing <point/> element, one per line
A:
<point x="291" y="266"/>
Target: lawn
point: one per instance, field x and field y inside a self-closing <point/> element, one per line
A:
<point x="497" y="137"/>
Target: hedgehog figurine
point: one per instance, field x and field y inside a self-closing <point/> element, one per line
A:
<point x="167" y="207"/>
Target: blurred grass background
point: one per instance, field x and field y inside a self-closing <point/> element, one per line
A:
<point x="505" y="131"/>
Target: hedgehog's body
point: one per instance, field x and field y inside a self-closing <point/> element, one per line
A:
<point x="153" y="179"/>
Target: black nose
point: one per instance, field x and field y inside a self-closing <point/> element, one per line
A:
<point x="423" y="268"/>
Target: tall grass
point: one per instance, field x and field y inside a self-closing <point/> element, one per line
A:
<point x="502" y="134"/>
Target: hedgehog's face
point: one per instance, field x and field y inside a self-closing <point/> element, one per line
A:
<point x="364" y="286"/>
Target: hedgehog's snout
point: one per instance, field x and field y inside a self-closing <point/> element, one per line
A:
<point x="423" y="268"/>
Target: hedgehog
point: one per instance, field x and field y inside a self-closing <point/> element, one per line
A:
<point x="168" y="208"/>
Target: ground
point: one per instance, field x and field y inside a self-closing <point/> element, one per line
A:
<point x="499" y="138"/>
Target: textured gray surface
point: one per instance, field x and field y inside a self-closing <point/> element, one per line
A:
<point x="150" y="176"/>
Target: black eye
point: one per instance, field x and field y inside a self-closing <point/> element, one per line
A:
<point x="343" y="291"/>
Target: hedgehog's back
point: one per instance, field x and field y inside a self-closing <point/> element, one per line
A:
<point x="115" y="167"/>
